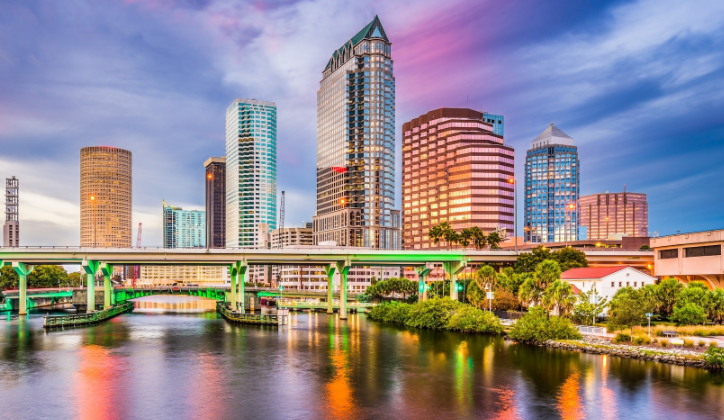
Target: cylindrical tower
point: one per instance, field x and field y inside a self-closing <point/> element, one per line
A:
<point x="105" y="197"/>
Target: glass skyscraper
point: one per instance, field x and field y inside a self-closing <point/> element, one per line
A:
<point x="552" y="184"/>
<point x="356" y="144"/>
<point x="496" y="120"/>
<point x="183" y="228"/>
<point x="251" y="170"/>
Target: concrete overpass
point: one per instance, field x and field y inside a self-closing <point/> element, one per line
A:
<point x="340" y="259"/>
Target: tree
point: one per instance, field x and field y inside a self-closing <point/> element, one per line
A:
<point x="546" y="273"/>
<point x="716" y="305"/>
<point x="435" y="234"/>
<point x="494" y="240"/>
<point x="666" y="293"/>
<point x="589" y="307"/>
<point x="44" y="276"/>
<point x="689" y="314"/>
<point x="451" y="237"/>
<point x="466" y="236"/>
<point x="627" y="308"/>
<point x="479" y="238"/>
<point x="527" y="261"/>
<point x="392" y="285"/>
<point x="644" y="247"/>
<point x="486" y="276"/>
<point x="8" y="278"/>
<point x="559" y="297"/>
<point x="537" y="326"/>
<point x="569" y="258"/>
<point x="74" y="279"/>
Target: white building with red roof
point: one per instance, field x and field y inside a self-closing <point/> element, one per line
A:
<point x="606" y="280"/>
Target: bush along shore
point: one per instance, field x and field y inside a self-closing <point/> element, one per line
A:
<point x="536" y="328"/>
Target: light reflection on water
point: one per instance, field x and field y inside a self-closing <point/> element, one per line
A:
<point x="173" y="304"/>
<point x="190" y="366"/>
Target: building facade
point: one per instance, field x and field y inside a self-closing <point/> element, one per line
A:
<point x="183" y="228"/>
<point x="695" y="256"/>
<point x="164" y="275"/>
<point x="106" y="197"/>
<point x="11" y="229"/>
<point x="455" y="169"/>
<point x="215" y="202"/>
<point x="356" y="145"/>
<point x="552" y="185"/>
<point x="251" y="170"/>
<point x="606" y="280"/>
<point x="497" y="121"/>
<point x="612" y="215"/>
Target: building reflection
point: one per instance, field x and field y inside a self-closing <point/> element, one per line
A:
<point x="96" y="381"/>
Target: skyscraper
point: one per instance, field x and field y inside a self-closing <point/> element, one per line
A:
<point x="183" y="228"/>
<point x="251" y="170"/>
<point x="11" y="229"/>
<point x="356" y="144"/>
<point x="455" y="169"/>
<point x="105" y="197"/>
<point x="552" y="188"/>
<point x="215" y="202"/>
<point x="615" y="214"/>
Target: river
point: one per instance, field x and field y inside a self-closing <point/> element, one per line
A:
<point x="198" y="366"/>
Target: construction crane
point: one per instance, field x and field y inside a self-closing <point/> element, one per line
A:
<point x="281" y="222"/>
<point x="137" y="268"/>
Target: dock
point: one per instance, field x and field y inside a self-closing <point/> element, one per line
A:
<point x="87" y="318"/>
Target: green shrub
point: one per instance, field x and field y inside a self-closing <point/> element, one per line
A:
<point x="621" y="338"/>
<point x="536" y="326"/>
<point x="689" y="314"/>
<point x="391" y="312"/>
<point x="641" y="340"/>
<point x="713" y="344"/>
<point x="688" y="343"/>
<point x="471" y="319"/>
<point x="659" y="333"/>
<point x="432" y="313"/>
<point x="714" y="357"/>
<point x="664" y="342"/>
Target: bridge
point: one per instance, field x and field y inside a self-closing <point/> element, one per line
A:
<point x="339" y="259"/>
<point x="47" y="296"/>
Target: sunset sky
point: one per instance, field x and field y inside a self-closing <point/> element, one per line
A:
<point x="639" y="85"/>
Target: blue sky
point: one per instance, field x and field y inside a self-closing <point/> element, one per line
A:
<point x="639" y="85"/>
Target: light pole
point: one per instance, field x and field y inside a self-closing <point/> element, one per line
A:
<point x="571" y="207"/>
<point x="515" y="210"/>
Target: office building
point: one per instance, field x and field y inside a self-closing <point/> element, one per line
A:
<point x="455" y="169"/>
<point x="496" y="120"/>
<point x="356" y="145"/>
<point x="251" y="170"/>
<point x="106" y="197"/>
<point x="11" y="229"/>
<point x="215" y="202"/>
<point x="551" y="188"/>
<point x="164" y="275"/>
<point x="183" y="228"/>
<point x="614" y="215"/>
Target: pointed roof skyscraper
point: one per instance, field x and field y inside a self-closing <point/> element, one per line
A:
<point x="552" y="135"/>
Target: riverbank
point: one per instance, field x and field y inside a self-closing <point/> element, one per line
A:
<point x="593" y="345"/>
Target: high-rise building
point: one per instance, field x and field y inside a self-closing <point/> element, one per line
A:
<point x="11" y="229"/>
<point x="455" y="169"/>
<point x="183" y="228"/>
<point x="614" y="215"/>
<point x="251" y="170"/>
<point x="496" y="120"/>
<point x="356" y="144"/>
<point x="105" y="197"/>
<point x="215" y="202"/>
<point x="552" y="184"/>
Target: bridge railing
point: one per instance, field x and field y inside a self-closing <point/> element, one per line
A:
<point x="87" y="318"/>
<point x="588" y="330"/>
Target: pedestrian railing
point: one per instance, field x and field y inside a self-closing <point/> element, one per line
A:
<point x="262" y="319"/>
<point x="87" y="318"/>
<point x="588" y="330"/>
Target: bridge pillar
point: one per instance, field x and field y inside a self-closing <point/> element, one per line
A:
<point x="232" y="273"/>
<point x="329" y="270"/>
<point x="90" y="268"/>
<point x="107" y="270"/>
<point x="422" y="273"/>
<point x="241" y="268"/>
<point x="23" y="270"/>
<point x="452" y="269"/>
<point x="343" y="268"/>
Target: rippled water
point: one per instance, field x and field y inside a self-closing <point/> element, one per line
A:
<point x="198" y="366"/>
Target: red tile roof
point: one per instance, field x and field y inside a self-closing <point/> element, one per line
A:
<point x="590" y="272"/>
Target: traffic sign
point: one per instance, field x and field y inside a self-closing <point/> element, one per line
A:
<point x="281" y="287"/>
<point x="490" y="295"/>
<point x="649" y="314"/>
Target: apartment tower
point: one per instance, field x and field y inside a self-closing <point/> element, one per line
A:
<point x="616" y="215"/>
<point x="251" y="170"/>
<point x="11" y="229"/>
<point x="183" y="228"/>
<point x="215" y="202"/>
<point x="552" y="188"/>
<point x="105" y="197"/>
<point x="455" y="169"/>
<point x="356" y="145"/>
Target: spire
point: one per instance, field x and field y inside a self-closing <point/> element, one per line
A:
<point x="552" y="135"/>
<point x="372" y="30"/>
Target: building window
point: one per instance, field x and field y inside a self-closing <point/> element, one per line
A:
<point x="635" y="284"/>
<point x="613" y="284"/>
<point x="669" y="253"/>
<point x="619" y="284"/>
<point x="703" y="251"/>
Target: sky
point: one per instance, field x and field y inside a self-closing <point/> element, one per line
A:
<point x="639" y="85"/>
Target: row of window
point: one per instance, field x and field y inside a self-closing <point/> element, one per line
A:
<point x="697" y="251"/>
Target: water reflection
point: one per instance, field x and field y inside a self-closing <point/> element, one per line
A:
<point x="200" y="366"/>
<point x="174" y="304"/>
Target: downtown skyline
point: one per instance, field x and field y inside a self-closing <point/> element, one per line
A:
<point x="161" y="93"/>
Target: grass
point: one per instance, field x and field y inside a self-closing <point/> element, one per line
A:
<point x="690" y="331"/>
<point x="664" y="342"/>
<point x="688" y="343"/>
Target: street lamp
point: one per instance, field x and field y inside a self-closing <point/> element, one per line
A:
<point x="571" y="207"/>
<point x="515" y="210"/>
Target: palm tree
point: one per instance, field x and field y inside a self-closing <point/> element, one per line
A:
<point x="546" y="273"/>
<point x="559" y="297"/>
<point x="435" y="234"/>
<point x="466" y="236"/>
<point x="479" y="239"/>
<point x="486" y="276"/>
<point x="494" y="240"/>
<point x="451" y="237"/>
